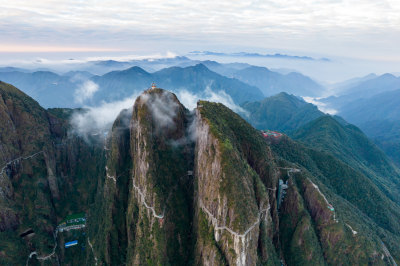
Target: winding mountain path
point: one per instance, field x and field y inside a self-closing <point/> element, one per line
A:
<point x="326" y="200"/>
<point x="214" y="221"/>
<point x="34" y="253"/>
<point x="109" y="176"/>
<point x="17" y="159"/>
<point x="91" y="247"/>
<point x="387" y="253"/>
<point x="143" y="200"/>
<point x="47" y="256"/>
<point x="351" y="228"/>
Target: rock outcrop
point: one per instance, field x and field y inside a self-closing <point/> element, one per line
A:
<point x="160" y="200"/>
<point x="231" y="196"/>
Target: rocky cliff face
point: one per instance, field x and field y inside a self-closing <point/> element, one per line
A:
<point x="231" y="198"/>
<point x="194" y="196"/>
<point x="206" y="191"/>
<point x="23" y="143"/>
<point x="160" y="200"/>
<point x="107" y="229"/>
<point x="40" y="166"/>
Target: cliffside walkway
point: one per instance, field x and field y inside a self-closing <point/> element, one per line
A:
<point x="91" y="247"/>
<point x="351" y="228"/>
<point x="214" y="221"/>
<point x="18" y="159"/>
<point x="109" y="176"/>
<point x="387" y="253"/>
<point x="47" y="256"/>
<point x="143" y="200"/>
<point x="330" y="206"/>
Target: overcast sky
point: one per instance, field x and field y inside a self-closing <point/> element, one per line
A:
<point x="360" y="28"/>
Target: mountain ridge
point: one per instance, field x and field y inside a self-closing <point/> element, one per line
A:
<point x="272" y="82"/>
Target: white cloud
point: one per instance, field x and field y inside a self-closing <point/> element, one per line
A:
<point x="149" y="57"/>
<point x="189" y="100"/>
<point x="95" y="121"/>
<point x="99" y="119"/>
<point x="321" y="106"/>
<point x="162" y="107"/>
<point x="85" y="91"/>
<point x="313" y="24"/>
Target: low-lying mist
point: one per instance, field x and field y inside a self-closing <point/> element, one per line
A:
<point x="96" y="121"/>
<point x="189" y="99"/>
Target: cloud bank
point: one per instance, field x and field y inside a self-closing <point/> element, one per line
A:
<point x="189" y="99"/>
<point x="85" y="91"/>
<point x="321" y="106"/>
<point x="162" y="107"/>
<point x="334" y="25"/>
<point x="98" y="120"/>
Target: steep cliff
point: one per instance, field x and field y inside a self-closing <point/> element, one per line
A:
<point x="207" y="189"/>
<point x="45" y="175"/>
<point x="160" y="200"/>
<point x="107" y="228"/>
<point x="232" y="200"/>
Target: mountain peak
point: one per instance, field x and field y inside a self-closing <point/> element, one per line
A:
<point x="287" y="97"/>
<point x="282" y="112"/>
<point x="284" y="94"/>
<point x="387" y="76"/>
<point x="136" y="69"/>
<point x="200" y="67"/>
<point x="258" y="69"/>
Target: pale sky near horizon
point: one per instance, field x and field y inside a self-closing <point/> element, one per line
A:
<point x="360" y="28"/>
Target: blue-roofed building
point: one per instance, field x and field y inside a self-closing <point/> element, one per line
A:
<point x="70" y="244"/>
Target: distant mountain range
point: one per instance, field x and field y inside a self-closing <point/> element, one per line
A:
<point x="241" y="81"/>
<point x="373" y="85"/>
<point x="48" y="88"/>
<point x="363" y="88"/>
<point x="341" y="87"/>
<point x="272" y="83"/>
<point x="195" y="79"/>
<point x="245" y="54"/>
<point x="379" y="117"/>
<point x="53" y="90"/>
<point x="385" y="105"/>
<point x="150" y="65"/>
<point x="268" y="81"/>
<point x="373" y="104"/>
